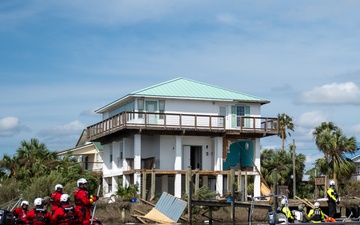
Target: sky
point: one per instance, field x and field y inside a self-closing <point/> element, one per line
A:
<point x="62" y="60"/>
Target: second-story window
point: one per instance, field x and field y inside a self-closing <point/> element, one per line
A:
<point x="140" y="107"/>
<point x="161" y="108"/>
<point x="240" y="111"/>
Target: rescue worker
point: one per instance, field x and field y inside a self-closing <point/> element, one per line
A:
<point x="287" y="212"/>
<point x="55" y="197"/>
<point x="316" y="215"/>
<point x="83" y="201"/>
<point x="67" y="214"/>
<point x="39" y="215"/>
<point x="20" y="212"/>
<point x="332" y="196"/>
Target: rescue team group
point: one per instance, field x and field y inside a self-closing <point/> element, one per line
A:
<point x="62" y="212"/>
<point x="316" y="215"/>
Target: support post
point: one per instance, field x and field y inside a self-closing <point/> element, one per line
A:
<point x="189" y="196"/>
<point x="143" y="191"/>
<point x="275" y="189"/>
<point x="294" y="172"/>
<point x="153" y="181"/>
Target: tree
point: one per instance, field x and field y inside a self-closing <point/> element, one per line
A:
<point x="333" y="143"/>
<point x="9" y="165"/>
<point x="285" y="123"/>
<point x="282" y="161"/>
<point x="34" y="159"/>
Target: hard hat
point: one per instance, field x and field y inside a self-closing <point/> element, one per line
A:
<point x="81" y="181"/>
<point x="58" y="186"/>
<point x="38" y="201"/>
<point x="332" y="183"/>
<point x="64" y="198"/>
<point x="24" y="203"/>
<point x="316" y="204"/>
<point x="283" y="201"/>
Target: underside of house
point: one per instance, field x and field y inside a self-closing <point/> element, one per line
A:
<point x="157" y="156"/>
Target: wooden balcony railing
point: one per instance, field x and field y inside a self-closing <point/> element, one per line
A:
<point x="150" y="120"/>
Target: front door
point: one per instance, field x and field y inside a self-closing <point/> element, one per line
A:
<point x="192" y="156"/>
<point x="151" y="106"/>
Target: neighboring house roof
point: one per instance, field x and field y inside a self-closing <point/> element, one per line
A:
<point x="183" y="88"/>
<point x="87" y="148"/>
<point x="355" y="157"/>
<point x="82" y="139"/>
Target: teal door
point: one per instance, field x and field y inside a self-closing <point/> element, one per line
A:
<point x="240" y="155"/>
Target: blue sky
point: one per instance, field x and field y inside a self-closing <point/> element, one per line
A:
<point x="62" y="60"/>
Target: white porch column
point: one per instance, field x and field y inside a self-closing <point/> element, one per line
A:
<point x="137" y="160"/>
<point x="178" y="166"/>
<point x="257" y="180"/>
<point x="125" y="163"/>
<point x="126" y="180"/>
<point x="218" y="154"/>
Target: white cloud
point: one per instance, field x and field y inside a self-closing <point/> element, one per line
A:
<point x="9" y="126"/>
<point x="73" y="128"/>
<point x="313" y="119"/>
<point x="63" y="136"/>
<point x="335" y="93"/>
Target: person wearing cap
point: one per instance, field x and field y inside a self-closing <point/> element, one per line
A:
<point x="67" y="214"/>
<point x="39" y="215"/>
<point x="55" y="197"/>
<point x="333" y="199"/>
<point x="20" y="212"/>
<point x="316" y="215"/>
<point x="83" y="200"/>
<point x="286" y="210"/>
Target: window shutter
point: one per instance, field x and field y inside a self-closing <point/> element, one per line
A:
<point x="247" y="113"/>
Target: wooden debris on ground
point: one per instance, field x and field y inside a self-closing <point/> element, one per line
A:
<point x="167" y="210"/>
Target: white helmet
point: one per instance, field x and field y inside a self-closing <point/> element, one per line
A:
<point x="81" y="181"/>
<point x="38" y="201"/>
<point x="58" y="186"/>
<point x="24" y="203"/>
<point x="316" y="204"/>
<point x="332" y="183"/>
<point x="283" y="201"/>
<point x="65" y="198"/>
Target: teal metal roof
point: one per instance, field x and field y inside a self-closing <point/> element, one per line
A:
<point x="187" y="88"/>
<point x="184" y="88"/>
<point x="99" y="146"/>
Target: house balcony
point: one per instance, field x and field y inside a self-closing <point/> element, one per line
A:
<point x="181" y="124"/>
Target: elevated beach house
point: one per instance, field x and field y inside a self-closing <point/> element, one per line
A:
<point x="157" y="136"/>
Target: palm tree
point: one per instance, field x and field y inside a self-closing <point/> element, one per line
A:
<point x="285" y="123"/>
<point x="9" y="164"/>
<point x="34" y="159"/>
<point x="333" y="143"/>
<point x="282" y="161"/>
